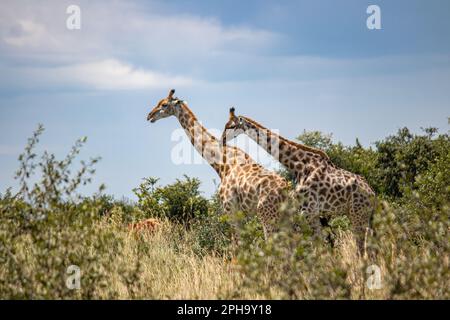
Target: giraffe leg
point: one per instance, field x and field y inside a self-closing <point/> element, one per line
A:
<point x="267" y="214"/>
<point x="309" y="207"/>
<point x="314" y="221"/>
<point x="268" y="230"/>
<point x="309" y="210"/>
<point x="324" y="221"/>
<point x="360" y="214"/>
<point x="228" y="211"/>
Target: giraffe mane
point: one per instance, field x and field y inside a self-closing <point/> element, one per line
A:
<point x="213" y="138"/>
<point x="296" y="144"/>
<point x="190" y="112"/>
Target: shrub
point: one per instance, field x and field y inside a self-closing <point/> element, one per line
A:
<point x="179" y="202"/>
<point x="47" y="227"/>
<point x="294" y="265"/>
<point x="402" y="158"/>
<point x="212" y="230"/>
<point x="291" y="264"/>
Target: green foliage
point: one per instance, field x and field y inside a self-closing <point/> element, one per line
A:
<point x="292" y="264"/>
<point x="213" y="234"/>
<point x="413" y="251"/>
<point x="316" y="139"/>
<point x="405" y="156"/>
<point x="46" y="227"/>
<point x="432" y="186"/>
<point x="180" y="202"/>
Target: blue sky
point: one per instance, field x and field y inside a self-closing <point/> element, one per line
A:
<point x="290" y="65"/>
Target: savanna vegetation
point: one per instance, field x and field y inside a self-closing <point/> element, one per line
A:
<point x="47" y="225"/>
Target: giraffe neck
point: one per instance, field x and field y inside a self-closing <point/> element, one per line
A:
<point x="294" y="156"/>
<point x="219" y="158"/>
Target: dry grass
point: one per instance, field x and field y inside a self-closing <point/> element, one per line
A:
<point x="170" y="269"/>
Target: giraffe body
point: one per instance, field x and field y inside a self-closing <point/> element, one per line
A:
<point x="255" y="190"/>
<point x="245" y="185"/>
<point x="329" y="191"/>
<point x="324" y="190"/>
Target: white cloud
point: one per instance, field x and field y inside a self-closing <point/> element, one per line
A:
<point x="108" y="74"/>
<point x="171" y="48"/>
<point x="125" y="28"/>
<point x="112" y="74"/>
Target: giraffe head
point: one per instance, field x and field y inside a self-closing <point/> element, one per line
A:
<point x="165" y="108"/>
<point x="235" y="126"/>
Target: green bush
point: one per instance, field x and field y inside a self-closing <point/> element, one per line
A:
<point x="179" y="202"/>
<point x="405" y="156"/>
<point x="182" y="203"/>
<point x="48" y="226"/>
<point x="292" y="264"/>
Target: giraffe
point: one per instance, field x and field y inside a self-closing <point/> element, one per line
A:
<point x="245" y="185"/>
<point x="148" y="225"/>
<point x="324" y="189"/>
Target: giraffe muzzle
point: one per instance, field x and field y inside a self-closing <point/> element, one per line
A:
<point x="151" y="118"/>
